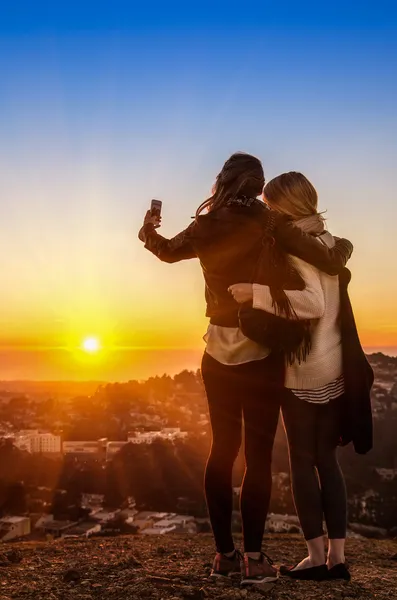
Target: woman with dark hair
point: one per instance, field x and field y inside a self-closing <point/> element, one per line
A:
<point x="239" y="375"/>
<point x="318" y="397"/>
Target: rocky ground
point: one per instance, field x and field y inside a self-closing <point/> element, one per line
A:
<point x="176" y="567"/>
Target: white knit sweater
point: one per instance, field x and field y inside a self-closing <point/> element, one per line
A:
<point x="319" y="301"/>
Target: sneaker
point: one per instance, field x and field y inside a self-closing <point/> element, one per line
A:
<point x="340" y="571"/>
<point x="318" y="573"/>
<point x="258" y="571"/>
<point x="224" y="566"/>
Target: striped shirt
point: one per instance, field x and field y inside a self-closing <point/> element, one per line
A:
<point x="323" y="394"/>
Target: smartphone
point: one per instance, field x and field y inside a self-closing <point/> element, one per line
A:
<point x="155" y="208"/>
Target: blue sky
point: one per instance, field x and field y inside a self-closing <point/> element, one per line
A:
<point x="104" y="15"/>
<point x="105" y="105"/>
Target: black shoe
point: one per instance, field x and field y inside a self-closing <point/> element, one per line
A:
<point x="340" y="571"/>
<point x="318" y="573"/>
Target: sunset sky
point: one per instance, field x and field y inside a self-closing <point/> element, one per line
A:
<point x="104" y="106"/>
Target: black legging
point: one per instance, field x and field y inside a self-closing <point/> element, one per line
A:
<point x="237" y="392"/>
<point x="317" y="480"/>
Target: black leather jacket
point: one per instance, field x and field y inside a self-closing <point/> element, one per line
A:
<point x="228" y="242"/>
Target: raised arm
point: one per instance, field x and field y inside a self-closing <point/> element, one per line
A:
<point x="294" y="241"/>
<point x="307" y="304"/>
<point x="177" y="248"/>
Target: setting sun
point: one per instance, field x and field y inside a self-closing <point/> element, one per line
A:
<point x="91" y="344"/>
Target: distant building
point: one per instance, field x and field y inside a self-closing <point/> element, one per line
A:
<point x="113" y="448"/>
<point x="14" y="527"/>
<point x="142" y="524"/>
<point x="164" y="524"/>
<point x="387" y="474"/>
<point x="147" y="437"/>
<point x="146" y="519"/>
<point x="143" y="438"/>
<point x="158" y="530"/>
<point x="182" y="520"/>
<point x="43" y="520"/>
<point x="82" y="530"/>
<point x="104" y="516"/>
<point x="56" y="528"/>
<point x="152" y="514"/>
<point x="177" y="523"/>
<point x="283" y="523"/>
<point x="172" y="524"/>
<point x="152" y="523"/>
<point x="129" y="513"/>
<point x="92" y="500"/>
<point x="82" y="448"/>
<point x="34" y="441"/>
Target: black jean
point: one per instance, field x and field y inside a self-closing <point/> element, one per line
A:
<point x="317" y="480"/>
<point x="242" y="393"/>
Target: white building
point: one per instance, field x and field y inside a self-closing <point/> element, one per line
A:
<point x="82" y="530"/>
<point x="104" y="516"/>
<point x="282" y="523"/>
<point x="143" y="438"/>
<point x="81" y="448"/>
<point x="158" y="530"/>
<point x="173" y="433"/>
<point x="35" y="442"/>
<point x="92" y="500"/>
<point x="177" y="523"/>
<point x="43" y="520"/>
<point x="129" y="513"/>
<point x="14" y="527"/>
<point x="387" y="474"/>
<point x="113" y="448"/>
<point x="55" y="528"/>
<point x="182" y="520"/>
<point x="147" y="437"/>
<point x="142" y="524"/>
<point x="147" y="518"/>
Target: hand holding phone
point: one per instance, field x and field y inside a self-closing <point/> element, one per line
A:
<point x="155" y="208"/>
<point x="153" y="215"/>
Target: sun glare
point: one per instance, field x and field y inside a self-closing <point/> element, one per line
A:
<point x="91" y="344"/>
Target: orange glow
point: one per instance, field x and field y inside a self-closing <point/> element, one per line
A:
<point x="147" y="317"/>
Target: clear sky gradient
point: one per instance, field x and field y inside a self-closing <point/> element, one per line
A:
<point x="104" y="106"/>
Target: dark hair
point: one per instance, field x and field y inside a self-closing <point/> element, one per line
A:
<point x="241" y="175"/>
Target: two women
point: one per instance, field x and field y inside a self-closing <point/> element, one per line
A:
<point x="243" y="380"/>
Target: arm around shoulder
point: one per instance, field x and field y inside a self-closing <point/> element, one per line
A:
<point x="294" y="241"/>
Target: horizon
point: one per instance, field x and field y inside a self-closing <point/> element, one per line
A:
<point x="178" y="368"/>
<point x="104" y="108"/>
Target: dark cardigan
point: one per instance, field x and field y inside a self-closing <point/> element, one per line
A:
<point x="359" y="377"/>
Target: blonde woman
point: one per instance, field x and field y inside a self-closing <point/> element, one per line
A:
<point x="314" y="400"/>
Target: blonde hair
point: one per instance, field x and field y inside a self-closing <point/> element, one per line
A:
<point x="292" y="194"/>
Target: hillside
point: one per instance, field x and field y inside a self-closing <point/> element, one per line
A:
<point x="130" y="568"/>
